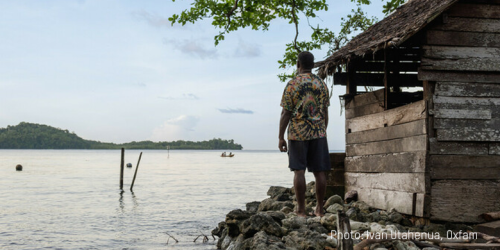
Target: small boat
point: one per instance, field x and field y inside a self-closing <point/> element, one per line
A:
<point x="222" y="155"/>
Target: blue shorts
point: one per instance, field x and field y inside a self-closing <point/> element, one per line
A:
<point x="310" y="154"/>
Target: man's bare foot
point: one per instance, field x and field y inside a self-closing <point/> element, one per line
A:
<point x="301" y="213"/>
<point x="319" y="212"/>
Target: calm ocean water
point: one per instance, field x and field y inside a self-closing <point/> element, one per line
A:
<point x="70" y="199"/>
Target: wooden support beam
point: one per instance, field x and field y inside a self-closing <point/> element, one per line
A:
<point x="351" y="84"/>
<point x="387" y="81"/>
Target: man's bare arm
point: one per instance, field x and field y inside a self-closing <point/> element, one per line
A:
<point x="326" y="116"/>
<point x="284" y="120"/>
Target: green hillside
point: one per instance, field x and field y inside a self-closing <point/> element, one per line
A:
<point x="38" y="136"/>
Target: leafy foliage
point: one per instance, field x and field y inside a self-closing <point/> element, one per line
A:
<point x="231" y="15"/>
<point x="37" y="136"/>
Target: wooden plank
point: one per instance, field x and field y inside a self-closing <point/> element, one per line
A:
<point x="403" y="182"/>
<point x="364" y="110"/>
<point x="453" y="52"/>
<point x="457" y="161"/>
<point x="457" y="148"/>
<point x="467" y="89"/>
<point x="386" y="200"/>
<point x="448" y="76"/>
<point x="483" y="110"/>
<point x="494" y="149"/>
<point x="366" y="98"/>
<point x="466" y="64"/>
<point x="470" y="25"/>
<point x="463" y="200"/>
<point x="455" y="38"/>
<point x="408" y="144"/>
<point x="407" y="162"/>
<point x="400" y="115"/>
<point x="337" y="160"/>
<point x="465" y="173"/>
<point x="467" y="134"/>
<point x="467" y="100"/>
<point x="490" y="228"/>
<point x="463" y="114"/>
<point x="374" y="79"/>
<point x="474" y="10"/>
<point x="489" y="125"/>
<point x="335" y="178"/>
<point x="409" y="129"/>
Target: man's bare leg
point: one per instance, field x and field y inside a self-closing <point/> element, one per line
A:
<point x="299" y="184"/>
<point x="320" y="192"/>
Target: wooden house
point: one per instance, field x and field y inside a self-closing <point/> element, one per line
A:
<point x="423" y="135"/>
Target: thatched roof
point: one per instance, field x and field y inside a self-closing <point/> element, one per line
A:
<point x="393" y="30"/>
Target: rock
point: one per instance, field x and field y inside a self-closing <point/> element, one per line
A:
<point x="225" y="242"/>
<point x="376" y="228"/>
<point x="305" y="241"/>
<point x="431" y="248"/>
<point x="395" y="217"/>
<point x="275" y="191"/>
<point x="359" y="226"/>
<point x="222" y="239"/>
<point x="286" y="210"/>
<point x="373" y="217"/>
<point x="312" y="220"/>
<point x="317" y="227"/>
<point x="260" y="222"/>
<point x="334" y="199"/>
<point x="362" y="206"/>
<point x="277" y="216"/>
<point x="253" y="206"/>
<point x="294" y="222"/>
<point x="391" y="229"/>
<point x="282" y="197"/>
<point x="19" y="167"/>
<point x="234" y="219"/>
<point x="404" y="245"/>
<point x="219" y="229"/>
<point x="380" y="248"/>
<point x="329" y="221"/>
<point x="332" y="242"/>
<point x="335" y="208"/>
<point x="406" y="222"/>
<point x="129" y="165"/>
<point x="261" y="240"/>
<point x="351" y="196"/>
<point x="237" y="244"/>
<point x="431" y="228"/>
<point x="272" y="205"/>
<point x="352" y="213"/>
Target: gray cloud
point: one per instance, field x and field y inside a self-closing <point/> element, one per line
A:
<point x="153" y="19"/>
<point x="192" y="47"/>
<point x="236" y="111"/>
<point x="247" y="50"/>
<point x="188" y="96"/>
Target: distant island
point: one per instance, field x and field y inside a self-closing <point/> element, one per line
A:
<point x="37" y="136"/>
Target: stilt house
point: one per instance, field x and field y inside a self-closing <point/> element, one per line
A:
<point x="423" y="135"/>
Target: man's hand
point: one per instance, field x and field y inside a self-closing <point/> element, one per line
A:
<point x="282" y="145"/>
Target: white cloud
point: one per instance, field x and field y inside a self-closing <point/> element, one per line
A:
<point x="247" y="49"/>
<point x="179" y="128"/>
<point x="188" y="96"/>
<point x="192" y="47"/>
<point x="153" y="19"/>
<point x="236" y="111"/>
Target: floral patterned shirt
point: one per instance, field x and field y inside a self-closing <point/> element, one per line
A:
<point x="306" y="96"/>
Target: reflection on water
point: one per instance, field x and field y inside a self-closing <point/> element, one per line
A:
<point x="68" y="198"/>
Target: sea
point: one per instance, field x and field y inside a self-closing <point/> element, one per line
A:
<point x="71" y="199"/>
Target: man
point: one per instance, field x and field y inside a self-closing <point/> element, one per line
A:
<point x="305" y="104"/>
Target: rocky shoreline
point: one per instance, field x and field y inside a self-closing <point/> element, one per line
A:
<point x="271" y="224"/>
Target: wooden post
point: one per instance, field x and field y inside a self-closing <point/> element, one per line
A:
<point x="135" y="174"/>
<point x="351" y="86"/>
<point x="386" y="79"/>
<point x="122" y="164"/>
<point x="344" y="230"/>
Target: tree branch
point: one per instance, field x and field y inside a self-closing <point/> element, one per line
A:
<point x="230" y="13"/>
<point x="296" y="27"/>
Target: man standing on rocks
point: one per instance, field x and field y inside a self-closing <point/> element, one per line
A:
<point x="305" y="104"/>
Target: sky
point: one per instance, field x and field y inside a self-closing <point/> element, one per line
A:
<point x="117" y="71"/>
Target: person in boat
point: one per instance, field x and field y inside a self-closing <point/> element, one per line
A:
<point x="223" y="154"/>
<point x="305" y="104"/>
<point x="230" y="153"/>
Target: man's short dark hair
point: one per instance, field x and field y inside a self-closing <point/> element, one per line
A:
<point x="306" y="59"/>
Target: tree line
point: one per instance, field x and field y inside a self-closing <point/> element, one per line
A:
<point x="38" y="136"/>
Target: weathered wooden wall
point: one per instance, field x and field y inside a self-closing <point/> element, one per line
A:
<point x="335" y="181"/>
<point x="386" y="152"/>
<point x="461" y="63"/>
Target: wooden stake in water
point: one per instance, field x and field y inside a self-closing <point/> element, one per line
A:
<point x="135" y="174"/>
<point x="122" y="164"/>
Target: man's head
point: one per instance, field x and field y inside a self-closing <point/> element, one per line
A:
<point x="305" y="60"/>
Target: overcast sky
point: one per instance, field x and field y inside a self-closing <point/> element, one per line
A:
<point x="116" y="71"/>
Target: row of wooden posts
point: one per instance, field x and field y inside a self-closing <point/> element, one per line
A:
<point x="122" y="165"/>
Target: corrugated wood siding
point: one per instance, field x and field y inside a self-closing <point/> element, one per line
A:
<point x="462" y="57"/>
